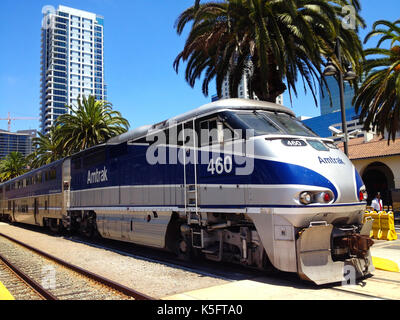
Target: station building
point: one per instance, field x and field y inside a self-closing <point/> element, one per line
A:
<point x="379" y="166"/>
<point x="377" y="161"/>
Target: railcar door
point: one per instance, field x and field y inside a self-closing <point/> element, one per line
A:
<point x="66" y="184"/>
<point x="13" y="209"/>
<point x="36" y="210"/>
<point x="190" y="160"/>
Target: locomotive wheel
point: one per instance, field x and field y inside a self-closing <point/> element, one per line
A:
<point x="184" y="250"/>
<point x="54" y="226"/>
<point x="88" y="225"/>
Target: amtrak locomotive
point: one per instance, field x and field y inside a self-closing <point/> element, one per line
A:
<point x="235" y="180"/>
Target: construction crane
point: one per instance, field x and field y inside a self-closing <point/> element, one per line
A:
<point x="19" y="118"/>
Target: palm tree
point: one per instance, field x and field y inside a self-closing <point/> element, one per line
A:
<point x="13" y="165"/>
<point x="91" y="123"/>
<point x="378" y="98"/>
<point x="47" y="149"/>
<point x="273" y="41"/>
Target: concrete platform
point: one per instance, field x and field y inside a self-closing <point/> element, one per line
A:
<point x="265" y="289"/>
<point x="387" y="249"/>
<point x="279" y="289"/>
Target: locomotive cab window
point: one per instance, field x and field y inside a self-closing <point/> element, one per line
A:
<point x="214" y="131"/>
<point x="289" y="124"/>
<point x="209" y="132"/>
<point x="254" y="121"/>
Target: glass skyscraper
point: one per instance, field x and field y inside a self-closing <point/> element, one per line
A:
<point x="331" y="115"/>
<point x="72" y="61"/>
<point x="333" y="85"/>
<point x="20" y="141"/>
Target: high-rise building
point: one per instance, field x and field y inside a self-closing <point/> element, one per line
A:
<point x="331" y="116"/>
<point x="243" y="91"/>
<point x="20" y="141"/>
<point x="72" y="61"/>
<point x="333" y="86"/>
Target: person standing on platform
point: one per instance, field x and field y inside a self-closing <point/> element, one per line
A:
<point x="377" y="203"/>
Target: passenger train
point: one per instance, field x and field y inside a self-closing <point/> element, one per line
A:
<point x="235" y="180"/>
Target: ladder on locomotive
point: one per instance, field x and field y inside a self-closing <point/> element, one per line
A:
<point x="191" y="189"/>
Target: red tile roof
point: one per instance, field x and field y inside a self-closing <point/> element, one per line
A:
<point x="377" y="147"/>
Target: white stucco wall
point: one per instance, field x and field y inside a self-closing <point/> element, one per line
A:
<point x="392" y="162"/>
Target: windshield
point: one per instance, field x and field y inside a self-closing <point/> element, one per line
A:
<point x="289" y="124"/>
<point x="258" y="123"/>
<point x="263" y="122"/>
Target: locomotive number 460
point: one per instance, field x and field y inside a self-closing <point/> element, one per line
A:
<point x="220" y="165"/>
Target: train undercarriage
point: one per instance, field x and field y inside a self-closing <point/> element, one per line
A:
<point x="321" y="252"/>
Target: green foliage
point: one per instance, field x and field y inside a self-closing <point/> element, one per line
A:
<point x="48" y="149"/>
<point x="90" y="123"/>
<point x="13" y="165"/>
<point x="273" y="41"/>
<point x="378" y="99"/>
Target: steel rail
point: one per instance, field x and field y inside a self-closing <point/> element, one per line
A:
<point x="107" y="282"/>
<point x="47" y="295"/>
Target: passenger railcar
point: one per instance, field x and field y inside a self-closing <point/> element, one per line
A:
<point x="236" y="180"/>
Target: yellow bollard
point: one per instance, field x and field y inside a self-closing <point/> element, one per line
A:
<point x="376" y="232"/>
<point x="367" y="214"/>
<point x="387" y="227"/>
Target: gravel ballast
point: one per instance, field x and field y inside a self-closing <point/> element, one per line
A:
<point x="156" y="279"/>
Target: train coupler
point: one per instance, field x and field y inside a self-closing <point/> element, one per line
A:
<point x="356" y="244"/>
<point x="326" y="252"/>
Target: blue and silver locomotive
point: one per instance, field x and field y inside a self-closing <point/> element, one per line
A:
<point x="235" y="180"/>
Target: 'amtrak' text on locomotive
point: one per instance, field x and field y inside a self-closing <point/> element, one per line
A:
<point x="97" y="176"/>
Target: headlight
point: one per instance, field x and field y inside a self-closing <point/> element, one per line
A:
<point x="305" y="197"/>
<point x="308" y="197"/>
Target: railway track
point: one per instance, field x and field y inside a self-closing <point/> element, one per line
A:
<point x="15" y="283"/>
<point x="38" y="275"/>
<point x="380" y="286"/>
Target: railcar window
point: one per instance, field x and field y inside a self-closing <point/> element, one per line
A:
<point x="38" y="178"/>
<point x="52" y="174"/>
<point x="290" y="124"/>
<point x="261" y="125"/>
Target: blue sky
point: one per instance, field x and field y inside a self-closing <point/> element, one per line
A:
<point x="140" y="47"/>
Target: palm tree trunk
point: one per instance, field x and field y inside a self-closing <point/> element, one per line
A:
<point x="270" y="90"/>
